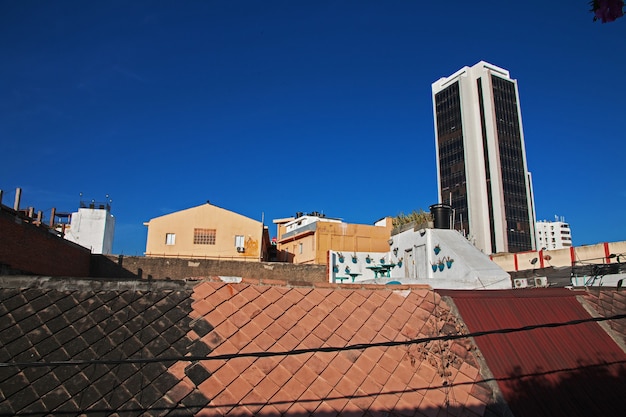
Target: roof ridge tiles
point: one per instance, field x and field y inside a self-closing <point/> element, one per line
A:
<point x="19" y="282"/>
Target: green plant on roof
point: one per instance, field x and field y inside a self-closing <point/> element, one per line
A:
<point x="419" y="217"/>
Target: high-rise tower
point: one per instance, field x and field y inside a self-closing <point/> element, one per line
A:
<point x="481" y="169"/>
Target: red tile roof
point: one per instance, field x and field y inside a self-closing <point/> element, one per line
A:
<point x="400" y="380"/>
<point x="146" y="321"/>
<point x="574" y="370"/>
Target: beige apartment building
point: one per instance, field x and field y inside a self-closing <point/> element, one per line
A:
<point x="306" y="239"/>
<point x="208" y="232"/>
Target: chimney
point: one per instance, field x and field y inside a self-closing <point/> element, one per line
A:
<point x="18" y="196"/>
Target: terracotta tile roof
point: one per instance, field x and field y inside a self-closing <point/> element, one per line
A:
<point x="573" y="370"/>
<point x="117" y="322"/>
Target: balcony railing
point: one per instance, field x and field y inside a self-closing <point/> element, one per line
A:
<point x="308" y="227"/>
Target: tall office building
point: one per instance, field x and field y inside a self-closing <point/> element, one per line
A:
<point x="481" y="170"/>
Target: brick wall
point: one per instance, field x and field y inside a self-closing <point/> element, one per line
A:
<point x="609" y="302"/>
<point x="29" y="249"/>
<point x="109" y="266"/>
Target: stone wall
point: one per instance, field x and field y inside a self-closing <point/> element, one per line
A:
<point x="26" y="248"/>
<point x="109" y="266"/>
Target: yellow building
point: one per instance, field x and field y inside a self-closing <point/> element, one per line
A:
<point x="207" y="231"/>
<point x="306" y="239"/>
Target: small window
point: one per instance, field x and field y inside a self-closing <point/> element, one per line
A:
<point x="301" y="248"/>
<point x="239" y="241"/>
<point x="170" y="238"/>
<point x="204" y="236"/>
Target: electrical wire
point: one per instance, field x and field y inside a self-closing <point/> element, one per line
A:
<point x="358" y="346"/>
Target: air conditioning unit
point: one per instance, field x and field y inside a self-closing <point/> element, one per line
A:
<point x="241" y="249"/>
<point x="520" y="283"/>
<point x="541" y="281"/>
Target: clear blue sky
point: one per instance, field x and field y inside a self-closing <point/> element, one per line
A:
<point x="272" y="107"/>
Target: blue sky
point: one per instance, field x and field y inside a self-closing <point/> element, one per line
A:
<point x="267" y="108"/>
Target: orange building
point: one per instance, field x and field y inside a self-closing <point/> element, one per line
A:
<point x="307" y="238"/>
<point x="207" y="231"/>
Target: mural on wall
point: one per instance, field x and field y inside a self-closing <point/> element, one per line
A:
<point x="252" y="247"/>
<point x="360" y="266"/>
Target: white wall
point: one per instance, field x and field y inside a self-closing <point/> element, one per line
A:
<point x="469" y="269"/>
<point x="338" y="273"/>
<point x="92" y="229"/>
<point x="412" y="254"/>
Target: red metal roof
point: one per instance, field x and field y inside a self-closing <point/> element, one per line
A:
<point x="574" y="370"/>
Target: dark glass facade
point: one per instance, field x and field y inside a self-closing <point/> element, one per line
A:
<point x="453" y="183"/>
<point x="511" y="155"/>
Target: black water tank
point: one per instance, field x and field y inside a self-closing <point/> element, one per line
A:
<point x="442" y="214"/>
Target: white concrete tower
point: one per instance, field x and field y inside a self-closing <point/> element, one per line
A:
<point x="92" y="227"/>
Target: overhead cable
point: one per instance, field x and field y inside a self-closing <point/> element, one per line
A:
<point x="265" y="354"/>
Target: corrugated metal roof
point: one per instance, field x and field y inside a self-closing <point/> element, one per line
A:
<point x="574" y="370"/>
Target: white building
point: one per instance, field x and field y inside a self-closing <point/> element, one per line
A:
<point x="481" y="158"/>
<point x="553" y="235"/>
<point x="441" y="258"/>
<point x="92" y="227"/>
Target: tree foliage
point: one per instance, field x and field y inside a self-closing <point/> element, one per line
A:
<point x="607" y="10"/>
